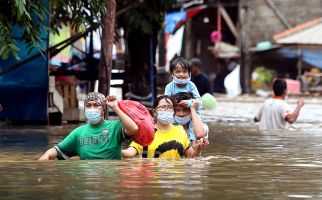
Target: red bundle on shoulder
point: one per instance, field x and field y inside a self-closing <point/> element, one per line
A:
<point x="141" y="116"/>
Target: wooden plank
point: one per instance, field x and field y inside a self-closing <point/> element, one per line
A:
<point x="71" y="114"/>
<point x="73" y="98"/>
<point x="279" y="14"/>
<point x="67" y="90"/>
<point x="228" y="21"/>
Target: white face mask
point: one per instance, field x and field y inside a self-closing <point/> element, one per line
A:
<point x="93" y="115"/>
<point x="182" y="120"/>
<point x="180" y="81"/>
<point x="165" y="117"/>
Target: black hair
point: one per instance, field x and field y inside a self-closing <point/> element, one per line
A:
<point x="279" y="86"/>
<point x="182" y="96"/>
<point x="166" y="97"/>
<point x="196" y="62"/>
<point x="180" y="61"/>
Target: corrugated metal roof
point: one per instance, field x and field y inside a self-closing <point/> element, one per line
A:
<point x="306" y="33"/>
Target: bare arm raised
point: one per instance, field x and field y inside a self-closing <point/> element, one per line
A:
<point x="294" y="115"/>
<point x="196" y="121"/>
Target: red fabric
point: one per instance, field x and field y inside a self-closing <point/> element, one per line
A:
<point x="141" y="116"/>
<point x="189" y="14"/>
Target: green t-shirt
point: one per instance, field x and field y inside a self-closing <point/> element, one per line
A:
<point x="93" y="142"/>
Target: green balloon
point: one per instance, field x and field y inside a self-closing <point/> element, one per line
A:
<point x="208" y="101"/>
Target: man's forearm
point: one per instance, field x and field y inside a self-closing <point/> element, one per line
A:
<point x="129" y="125"/>
<point x="50" y="154"/>
<point x="294" y="115"/>
<point x="197" y="125"/>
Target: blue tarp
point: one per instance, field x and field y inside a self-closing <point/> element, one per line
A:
<point x="172" y="19"/>
<point x="24" y="91"/>
<point x="310" y="56"/>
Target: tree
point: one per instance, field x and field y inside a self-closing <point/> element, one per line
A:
<point x="142" y="24"/>
<point x="32" y="18"/>
<point x="141" y="20"/>
<point x="107" y="41"/>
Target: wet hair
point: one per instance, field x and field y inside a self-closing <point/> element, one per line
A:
<point x="279" y="86"/>
<point x="166" y="97"/>
<point x="182" y="96"/>
<point x="180" y="61"/>
<point x="196" y="62"/>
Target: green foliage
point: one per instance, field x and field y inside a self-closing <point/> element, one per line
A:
<point x="5" y="123"/>
<point x="8" y="45"/>
<point x="32" y="17"/>
<point x="78" y="14"/>
<point x="265" y="75"/>
<point x="28" y="16"/>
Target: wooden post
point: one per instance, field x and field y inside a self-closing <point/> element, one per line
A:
<point x="228" y="20"/>
<point x="244" y="45"/>
<point x="299" y="63"/>
<point x="188" y="41"/>
<point x="162" y="50"/>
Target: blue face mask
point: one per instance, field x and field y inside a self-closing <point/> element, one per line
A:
<point x="180" y="81"/>
<point x="93" y="115"/>
<point x="165" y="117"/>
<point x="182" y="120"/>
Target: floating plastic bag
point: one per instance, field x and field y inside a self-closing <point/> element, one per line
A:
<point x="141" y="116"/>
<point x="208" y="101"/>
<point x="232" y="82"/>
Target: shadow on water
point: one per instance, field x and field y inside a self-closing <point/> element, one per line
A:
<point x="239" y="163"/>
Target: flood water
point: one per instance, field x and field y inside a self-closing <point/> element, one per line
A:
<point x="239" y="163"/>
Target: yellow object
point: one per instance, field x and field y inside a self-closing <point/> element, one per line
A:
<point x="170" y="144"/>
<point x="64" y="33"/>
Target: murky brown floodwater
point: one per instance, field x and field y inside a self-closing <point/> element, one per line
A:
<point x="239" y="163"/>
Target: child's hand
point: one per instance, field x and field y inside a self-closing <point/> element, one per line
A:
<point x="191" y="103"/>
<point x="183" y="103"/>
<point x="111" y="101"/>
<point x="198" y="146"/>
<point x="195" y="103"/>
<point x="204" y="142"/>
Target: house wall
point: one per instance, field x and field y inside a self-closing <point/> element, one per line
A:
<point x="262" y="23"/>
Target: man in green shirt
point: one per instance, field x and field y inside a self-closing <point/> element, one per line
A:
<point x="99" y="138"/>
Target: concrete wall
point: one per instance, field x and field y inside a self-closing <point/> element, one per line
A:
<point x="262" y="22"/>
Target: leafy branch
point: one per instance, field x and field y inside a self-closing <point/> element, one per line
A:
<point x="32" y="19"/>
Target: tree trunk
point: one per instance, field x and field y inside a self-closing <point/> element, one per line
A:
<point x="142" y="57"/>
<point x="189" y="50"/>
<point x="105" y="66"/>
